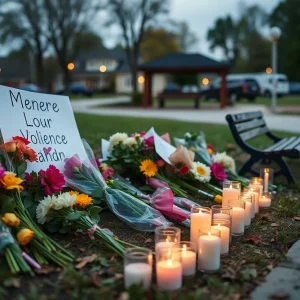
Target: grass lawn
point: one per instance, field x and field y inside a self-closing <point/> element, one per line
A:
<point x="94" y="96"/>
<point x="250" y="259"/>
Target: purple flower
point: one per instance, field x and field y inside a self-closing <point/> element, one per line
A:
<point x="71" y="164"/>
<point x="2" y="172"/>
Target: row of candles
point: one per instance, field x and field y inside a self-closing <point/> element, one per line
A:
<point x="210" y="235"/>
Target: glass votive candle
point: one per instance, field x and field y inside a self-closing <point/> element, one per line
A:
<point x="267" y="175"/>
<point x="209" y="251"/>
<point x="257" y="182"/>
<point x="138" y="267"/>
<point x="231" y="192"/>
<point x="223" y="225"/>
<point x="166" y="237"/>
<point x="238" y="219"/>
<point x="221" y="212"/>
<point x="265" y="200"/>
<point x="200" y="221"/>
<point x="255" y="191"/>
<point x="248" y="207"/>
<point x="188" y="258"/>
<point x="169" y="269"/>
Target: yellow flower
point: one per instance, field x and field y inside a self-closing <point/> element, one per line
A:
<point x="103" y="167"/>
<point x="10" y="182"/>
<point x="83" y="200"/>
<point x="148" y="167"/>
<point x="218" y="199"/>
<point x="11" y="219"/>
<point x="24" y="236"/>
<point x="210" y="151"/>
<point x="74" y="193"/>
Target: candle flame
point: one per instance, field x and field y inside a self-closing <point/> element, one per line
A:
<point x="219" y="224"/>
<point x="230" y="186"/>
<point x="169" y="262"/>
<point x="184" y="248"/>
<point x="209" y="233"/>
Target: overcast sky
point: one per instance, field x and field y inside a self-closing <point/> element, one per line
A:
<point x="200" y="15"/>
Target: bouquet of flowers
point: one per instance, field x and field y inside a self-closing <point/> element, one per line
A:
<point x="86" y="177"/>
<point x="14" y="158"/>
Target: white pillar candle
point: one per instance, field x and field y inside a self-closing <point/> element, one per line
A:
<point x="238" y="220"/>
<point x="266" y="181"/>
<point x="188" y="260"/>
<point x="264" y="201"/>
<point x="200" y="222"/>
<point x="256" y="195"/>
<point x="221" y="216"/>
<point x="169" y="275"/>
<point x="209" y="252"/>
<point x="247" y="212"/>
<point x="225" y="237"/>
<point x="137" y="273"/>
<point x="230" y="196"/>
<point x="163" y="245"/>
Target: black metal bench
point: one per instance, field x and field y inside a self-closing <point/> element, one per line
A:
<point x="245" y="126"/>
<point x="162" y="97"/>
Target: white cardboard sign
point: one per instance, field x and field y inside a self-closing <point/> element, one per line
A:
<point x="47" y="121"/>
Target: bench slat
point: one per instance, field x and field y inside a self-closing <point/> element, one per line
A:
<point x="271" y="148"/>
<point x="293" y="144"/>
<point x="250" y="124"/>
<point x="246" y="116"/>
<point x="285" y="144"/>
<point x="254" y="133"/>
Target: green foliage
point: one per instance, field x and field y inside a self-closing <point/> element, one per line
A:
<point x="136" y="98"/>
<point x="287" y="207"/>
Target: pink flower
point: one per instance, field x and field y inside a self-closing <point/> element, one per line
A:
<point x="107" y="173"/>
<point x="52" y="179"/>
<point x="218" y="171"/>
<point x="2" y="172"/>
<point x="142" y="134"/>
<point x="70" y="164"/>
<point x="183" y="156"/>
<point x="160" y="163"/>
<point x="28" y="178"/>
<point x="149" y="141"/>
<point x="184" y="170"/>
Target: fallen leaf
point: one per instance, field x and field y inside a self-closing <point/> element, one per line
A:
<point x="67" y="246"/>
<point x="272" y="240"/>
<point x="47" y="270"/>
<point x="81" y="249"/>
<point x="280" y="295"/>
<point x="248" y="274"/>
<point x="275" y="225"/>
<point x="252" y="239"/>
<point x="148" y="241"/>
<point x="95" y="279"/>
<point x="296" y="218"/>
<point x="82" y="261"/>
<point x="265" y="217"/>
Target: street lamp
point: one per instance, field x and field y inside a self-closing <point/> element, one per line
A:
<point x="275" y="34"/>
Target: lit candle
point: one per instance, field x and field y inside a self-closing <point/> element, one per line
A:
<point x="209" y="252"/>
<point x="266" y="181"/>
<point x="238" y="221"/>
<point x="137" y="273"/>
<point x="247" y="212"/>
<point x="225" y="237"/>
<point x="200" y="221"/>
<point x="264" y="201"/>
<point x="169" y="275"/>
<point x="188" y="260"/>
<point x="230" y="196"/>
<point x="221" y="216"/>
<point x="163" y="245"/>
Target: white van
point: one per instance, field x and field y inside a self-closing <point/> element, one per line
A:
<point x="265" y="82"/>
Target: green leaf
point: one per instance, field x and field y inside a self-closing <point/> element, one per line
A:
<point x="27" y="201"/>
<point x="73" y="216"/>
<point x="21" y="170"/>
<point x="7" y="204"/>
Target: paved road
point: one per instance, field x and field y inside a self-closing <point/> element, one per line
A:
<point x="91" y="106"/>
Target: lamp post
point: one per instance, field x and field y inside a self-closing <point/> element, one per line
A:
<point x="275" y="34"/>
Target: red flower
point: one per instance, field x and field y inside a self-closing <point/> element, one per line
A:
<point x="218" y="171"/>
<point x="160" y="163"/>
<point x="19" y="139"/>
<point x="27" y="153"/>
<point x="52" y="179"/>
<point x="28" y="178"/>
<point x="107" y="173"/>
<point x="184" y="170"/>
<point x="149" y="141"/>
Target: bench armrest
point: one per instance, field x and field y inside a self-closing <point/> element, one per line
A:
<point x="274" y="137"/>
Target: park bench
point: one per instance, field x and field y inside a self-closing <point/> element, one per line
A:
<point x="246" y="126"/>
<point x="162" y="97"/>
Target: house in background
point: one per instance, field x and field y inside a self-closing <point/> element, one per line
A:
<point x="105" y="69"/>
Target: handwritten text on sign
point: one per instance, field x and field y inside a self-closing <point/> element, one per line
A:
<point x="47" y="121"/>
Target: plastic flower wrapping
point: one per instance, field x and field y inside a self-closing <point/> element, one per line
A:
<point x="86" y="177"/>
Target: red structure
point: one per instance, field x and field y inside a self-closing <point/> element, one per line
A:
<point x="183" y="63"/>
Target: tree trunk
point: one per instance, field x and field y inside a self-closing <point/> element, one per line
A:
<point x="67" y="78"/>
<point x="39" y="70"/>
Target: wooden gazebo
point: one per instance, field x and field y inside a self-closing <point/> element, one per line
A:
<point x="183" y="63"/>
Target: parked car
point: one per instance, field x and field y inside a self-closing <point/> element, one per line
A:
<point x="78" y="88"/>
<point x="265" y="82"/>
<point x="237" y="89"/>
<point x="30" y="87"/>
<point x="190" y="88"/>
<point x="294" y="88"/>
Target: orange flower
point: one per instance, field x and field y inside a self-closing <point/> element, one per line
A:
<point x="11" y="219"/>
<point x="27" y="152"/>
<point x="10" y="182"/>
<point x="83" y="200"/>
<point x="9" y="147"/>
<point x="24" y="236"/>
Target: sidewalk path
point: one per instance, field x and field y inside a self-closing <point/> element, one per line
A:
<point x="284" y="281"/>
<point x="91" y="106"/>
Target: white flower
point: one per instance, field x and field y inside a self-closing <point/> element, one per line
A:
<point x="201" y="171"/>
<point x="130" y="141"/>
<point x="116" y="139"/>
<point x="10" y="173"/>
<point x="225" y="160"/>
<point x="64" y="200"/>
<point x="43" y="209"/>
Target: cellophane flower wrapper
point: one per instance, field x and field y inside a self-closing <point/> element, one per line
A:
<point x="87" y="178"/>
<point x="6" y="238"/>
